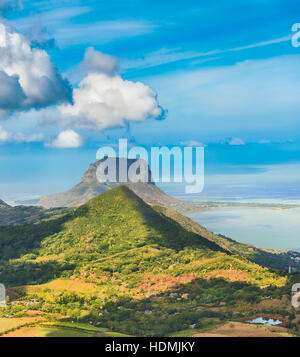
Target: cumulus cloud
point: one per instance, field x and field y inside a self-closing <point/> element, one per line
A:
<point x="11" y="93"/>
<point x="95" y="61"/>
<point x="28" y="79"/>
<point x="67" y="139"/>
<point x="104" y="100"/>
<point x="19" y="137"/>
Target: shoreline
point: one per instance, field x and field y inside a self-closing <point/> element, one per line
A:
<point x="194" y="207"/>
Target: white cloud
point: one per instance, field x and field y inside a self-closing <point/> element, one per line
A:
<point x="236" y="142"/>
<point x="95" y="61"/>
<point x="67" y="32"/>
<point x="28" y="79"/>
<point x="163" y="56"/>
<point x="22" y="138"/>
<point x="19" y="137"/>
<point x="100" y="32"/>
<point x="169" y="55"/>
<point x="67" y="139"/>
<point x="53" y="18"/>
<point x="3" y="134"/>
<point x="105" y="100"/>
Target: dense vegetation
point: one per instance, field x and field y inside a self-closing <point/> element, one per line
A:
<point x="120" y="264"/>
<point x="30" y="214"/>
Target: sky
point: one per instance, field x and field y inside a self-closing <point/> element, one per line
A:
<point x="75" y="75"/>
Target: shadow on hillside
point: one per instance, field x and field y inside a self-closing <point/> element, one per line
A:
<point x="174" y="235"/>
<point x="18" y="240"/>
<point x="32" y="273"/>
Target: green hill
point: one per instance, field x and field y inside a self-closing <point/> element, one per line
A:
<point x="125" y="235"/>
<point x="112" y="222"/>
<point x="125" y="266"/>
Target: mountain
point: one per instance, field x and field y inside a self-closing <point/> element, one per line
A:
<point x="121" y="225"/>
<point x="114" y="221"/>
<point x="119" y="263"/>
<point x="90" y="187"/>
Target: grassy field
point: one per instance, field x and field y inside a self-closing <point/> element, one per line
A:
<point x="7" y="324"/>
<point x="20" y="328"/>
<point x="76" y="285"/>
<point x="238" y="329"/>
<point x="58" y="329"/>
<point x="39" y="331"/>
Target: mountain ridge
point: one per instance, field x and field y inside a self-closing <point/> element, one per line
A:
<point x="115" y="223"/>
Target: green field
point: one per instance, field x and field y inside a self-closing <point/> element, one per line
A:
<point x="59" y="329"/>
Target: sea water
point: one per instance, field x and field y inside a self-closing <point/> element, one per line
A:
<point x="263" y="321"/>
<point x="262" y="227"/>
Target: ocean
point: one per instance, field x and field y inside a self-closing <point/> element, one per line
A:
<point x="262" y="227"/>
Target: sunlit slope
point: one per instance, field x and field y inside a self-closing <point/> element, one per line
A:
<point x="118" y="233"/>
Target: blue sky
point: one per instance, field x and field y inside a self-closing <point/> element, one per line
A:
<point x="223" y="73"/>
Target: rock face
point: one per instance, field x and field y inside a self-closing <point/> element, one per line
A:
<point x="90" y="187"/>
